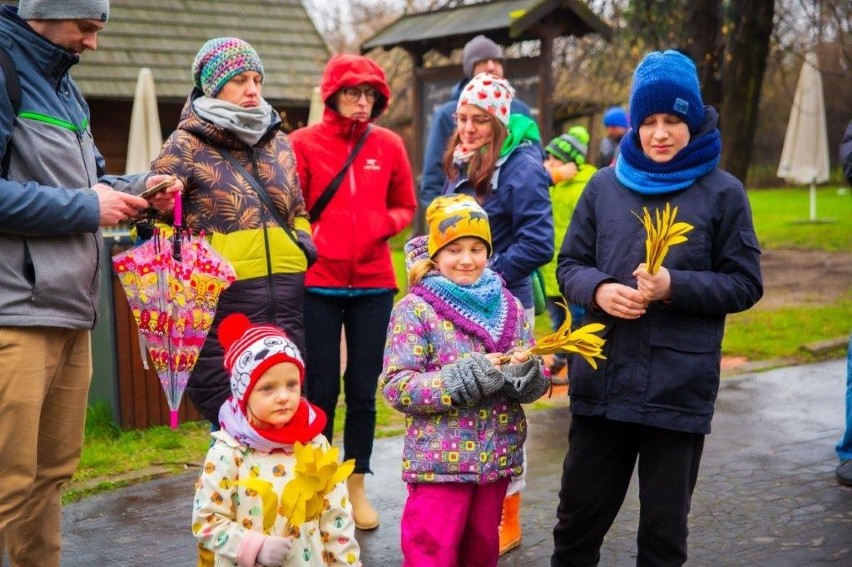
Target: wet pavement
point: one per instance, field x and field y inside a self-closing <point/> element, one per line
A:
<point x="766" y="492"/>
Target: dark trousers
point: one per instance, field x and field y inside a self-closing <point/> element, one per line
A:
<point x="596" y="474"/>
<point x="365" y="319"/>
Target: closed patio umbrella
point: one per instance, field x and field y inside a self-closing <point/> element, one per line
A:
<point x="145" y="138"/>
<point x="804" y="159"/>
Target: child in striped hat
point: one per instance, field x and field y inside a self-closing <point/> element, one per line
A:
<point x="252" y="459"/>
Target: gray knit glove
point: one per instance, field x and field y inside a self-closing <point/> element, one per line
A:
<point x="472" y="379"/>
<point x="525" y="382"/>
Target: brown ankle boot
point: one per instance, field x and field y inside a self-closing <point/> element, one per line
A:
<point x="510" y="525"/>
<point x="363" y="512"/>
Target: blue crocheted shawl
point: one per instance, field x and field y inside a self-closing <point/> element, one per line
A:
<point x="700" y="156"/>
<point x="485" y="309"/>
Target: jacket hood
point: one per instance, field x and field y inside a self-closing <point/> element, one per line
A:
<point x="347" y="70"/>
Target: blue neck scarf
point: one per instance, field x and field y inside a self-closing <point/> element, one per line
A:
<point x="700" y="156"/>
<point x="484" y="309"/>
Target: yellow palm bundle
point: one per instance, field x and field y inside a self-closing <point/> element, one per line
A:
<point x="661" y="233"/>
<point x="583" y="341"/>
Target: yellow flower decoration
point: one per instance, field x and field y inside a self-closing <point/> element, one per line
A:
<point x="269" y="499"/>
<point x="316" y="473"/>
<point x="662" y="233"/>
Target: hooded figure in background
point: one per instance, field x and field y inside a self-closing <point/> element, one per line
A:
<point x="357" y="184"/>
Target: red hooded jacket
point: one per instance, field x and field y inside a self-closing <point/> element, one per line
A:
<point x="376" y="198"/>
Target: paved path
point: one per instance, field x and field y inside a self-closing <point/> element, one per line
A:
<point x="766" y="494"/>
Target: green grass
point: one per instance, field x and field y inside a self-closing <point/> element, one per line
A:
<point x="780" y="333"/>
<point x="759" y="334"/>
<point x="778" y="216"/>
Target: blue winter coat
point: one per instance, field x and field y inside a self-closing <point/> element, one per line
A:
<point x="521" y="218"/>
<point x="662" y="369"/>
<point x="50" y="242"/>
<point x="433" y="178"/>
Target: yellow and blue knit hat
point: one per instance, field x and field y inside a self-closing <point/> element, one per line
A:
<point x="451" y="217"/>
<point x="219" y="60"/>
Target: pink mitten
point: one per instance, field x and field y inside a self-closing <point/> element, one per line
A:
<point x="274" y="550"/>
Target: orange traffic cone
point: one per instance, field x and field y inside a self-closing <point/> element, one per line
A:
<point x="510" y="525"/>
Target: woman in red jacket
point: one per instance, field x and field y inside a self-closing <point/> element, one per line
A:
<point x="352" y="285"/>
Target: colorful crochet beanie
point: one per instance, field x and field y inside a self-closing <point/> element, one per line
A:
<point x="251" y="350"/>
<point x="491" y="94"/>
<point x="451" y="217"/>
<point x="571" y="146"/>
<point x="666" y="82"/>
<point x="219" y="60"/>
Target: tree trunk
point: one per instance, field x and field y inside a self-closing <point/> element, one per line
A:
<point x="743" y="78"/>
<point x="705" y="47"/>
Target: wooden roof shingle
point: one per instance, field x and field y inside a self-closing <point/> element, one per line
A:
<point x="165" y="35"/>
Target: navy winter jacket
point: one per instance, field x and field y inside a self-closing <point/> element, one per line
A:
<point x="433" y="178"/>
<point x="662" y="369"/>
<point x="520" y="216"/>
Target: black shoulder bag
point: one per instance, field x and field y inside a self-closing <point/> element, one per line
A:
<point x="261" y="193"/>
<point x="322" y="202"/>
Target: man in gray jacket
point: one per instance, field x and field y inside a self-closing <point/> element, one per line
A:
<point x="53" y="199"/>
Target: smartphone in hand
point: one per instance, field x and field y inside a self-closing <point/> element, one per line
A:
<point x="148" y="193"/>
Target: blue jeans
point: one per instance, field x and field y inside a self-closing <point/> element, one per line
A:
<point x="844" y="447"/>
<point x="365" y="319"/>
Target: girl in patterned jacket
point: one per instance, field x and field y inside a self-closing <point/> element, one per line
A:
<point x="252" y="458"/>
<point x="443" y="369"/>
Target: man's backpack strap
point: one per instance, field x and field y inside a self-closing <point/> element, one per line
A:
<point x="13" y="90"/>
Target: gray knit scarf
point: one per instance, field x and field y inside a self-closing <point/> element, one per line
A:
<point x="247" y="124"/>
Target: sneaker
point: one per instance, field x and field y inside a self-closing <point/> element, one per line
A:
<point x="844" y="472"/>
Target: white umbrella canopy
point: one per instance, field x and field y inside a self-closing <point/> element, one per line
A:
<point x="145" y="138"/>
<point x="804" y="159"/>
<point x="317" y="107"/>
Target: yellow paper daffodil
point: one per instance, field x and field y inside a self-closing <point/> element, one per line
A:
<point x="316" y="474"/>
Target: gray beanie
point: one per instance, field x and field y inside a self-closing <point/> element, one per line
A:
<point x="64" y="10"/>
<point x="478" y="49"/>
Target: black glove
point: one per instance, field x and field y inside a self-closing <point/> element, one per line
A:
<point x="525" y="382"/>
<point x="306" y="243"/>
<point x="471" y="379"/>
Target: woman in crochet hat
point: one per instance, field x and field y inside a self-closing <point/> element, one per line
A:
<point x="495" y="157"/>
<point x="241" y="190"/>
<point x="465" y="424"/>
<point x="651" y="400"/>
<point x="262" y="420"/>
<point x="228" y="141"/>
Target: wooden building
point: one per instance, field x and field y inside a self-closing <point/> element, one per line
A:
<point x="165" y="35"/>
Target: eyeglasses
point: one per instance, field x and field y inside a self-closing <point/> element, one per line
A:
<point x="478" y="120"/>
<point x="353" y="94"/>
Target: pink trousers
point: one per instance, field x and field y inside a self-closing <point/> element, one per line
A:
<point x="452" y="524"/>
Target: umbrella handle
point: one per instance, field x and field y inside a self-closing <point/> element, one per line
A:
<point x="178" y="214"/>
<point x="173" y="418"/>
